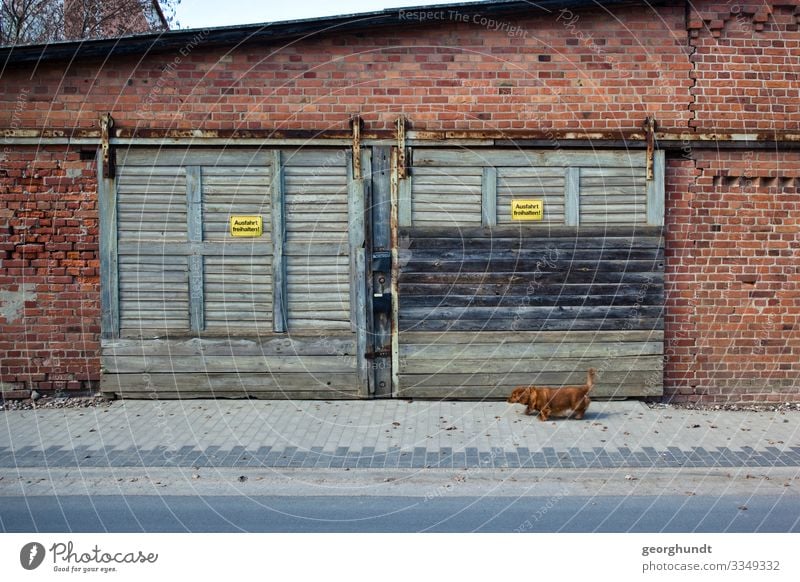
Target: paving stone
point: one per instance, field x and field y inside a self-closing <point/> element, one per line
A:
<point x="293" y="434"/>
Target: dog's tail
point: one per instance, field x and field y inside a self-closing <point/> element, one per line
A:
<point x="590" y="377"/>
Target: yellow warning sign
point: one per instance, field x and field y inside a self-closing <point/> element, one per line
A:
<point x="527" y="209"/>
<point x="246" y="226"/>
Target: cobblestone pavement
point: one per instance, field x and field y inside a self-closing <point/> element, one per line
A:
<point x="392" y="434"/>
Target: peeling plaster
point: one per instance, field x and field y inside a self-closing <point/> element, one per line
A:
<point x="12" y="303"/>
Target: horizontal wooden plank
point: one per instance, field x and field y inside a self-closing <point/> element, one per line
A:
<point x="279" y="344"/>
<point x="211" y="173"/>
<point x="490" y="338"/>
<point x="133" y="288"/>
<point x="532" y="366"/>
<point x="299" y="323"/>
<point x="533" y="291"/>
<point x="542" y="255"/>
<point x="249" y="246"/>
<point x="146" y="172"/>
<point x="160" y="191"/>
<point x="509" y="237"/>
<point x="233" y="191"/>
<point x="160" y="297"/>
<point x="152" y="327"/>
<point x="530" y="239"/>
<point x="150" y="263"/>
<point x="466" y="173"/>
<point x="524" y="313"/>
<point x="225" y="304"/>
<point x="201" y="385"/>
<point x="228" y="363"/>
<point x="546" y="278"/>
<point x="193" y="156"/>
<point x="311" y="248"/>
<point x="511" y="325"/>
<point x="481" y="265"/>
<point x="302" y="287"/>
<point x="311" y="233"/>
<point x="237" y="272"/>
<point x="440" y="194"/>
<point x="316" y="230"/>
<point x="651" y="298"/>
<point x="245" y="259"/>
<point x="538" y="158"/>
<point x="610" y="375"/>
<point x="164" y="276"/>
<point x="443" y="201"/>
<point x="243" y="279"/>
<point x="441" y="351"/>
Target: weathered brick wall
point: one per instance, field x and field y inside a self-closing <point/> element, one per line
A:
<point x="570" y="71"/>
<point x="733" y="270"/>
<point x="746" y="65"/>
<point x="49" y="271"/>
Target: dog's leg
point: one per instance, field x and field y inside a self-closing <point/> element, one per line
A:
<point x="580" y="409"/>
<point x="544" y="413"/>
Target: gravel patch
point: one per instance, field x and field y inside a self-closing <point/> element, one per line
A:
<point x="55" y="402"/>
<point x="771" y="407"/>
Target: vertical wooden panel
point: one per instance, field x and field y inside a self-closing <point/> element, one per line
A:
<point x="355" y="213"/>
<point x="194" y="207"/>
<point x="404" y="202"/>
<point x="360" y="287"/>
<point x="572" y="210"/>
<point x="655" y="192"/>
<point x="489" y="197"/>
<point x="317" y="212"/>
<point x="279" y="302"/>
<point x="109" y="268"/>
<point x="196" y="300"/>
<point x="194" y="211"/>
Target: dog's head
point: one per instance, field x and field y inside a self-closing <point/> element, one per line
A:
<point x="520" y="395"/>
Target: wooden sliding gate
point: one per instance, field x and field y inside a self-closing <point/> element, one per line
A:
<point x="491" y="296"/>
<point x="228" y="273"/>
<point x="277" y="273"/>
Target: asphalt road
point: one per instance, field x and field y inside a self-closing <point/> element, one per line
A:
<point x="339" y="514"/>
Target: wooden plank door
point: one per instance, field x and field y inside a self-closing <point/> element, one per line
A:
<point x="197" y="311"/>
<point x="486" y="302"/>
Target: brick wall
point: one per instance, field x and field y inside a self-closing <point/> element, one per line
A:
<point x="49" y="279"/>
<point x="572" y="71"/>
<point x="746" y="65"/>
<point x="733" y="271"/>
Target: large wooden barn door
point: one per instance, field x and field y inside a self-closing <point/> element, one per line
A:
<point x="233" y="273"/>
<point x="488" y="299"/>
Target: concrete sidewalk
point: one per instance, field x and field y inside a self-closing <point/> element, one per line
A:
<point x="389" y="434"/>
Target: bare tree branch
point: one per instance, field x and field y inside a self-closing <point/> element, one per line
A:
<point x="41" y="21"/>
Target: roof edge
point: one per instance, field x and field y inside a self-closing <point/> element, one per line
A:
<point x="270" y="32"/>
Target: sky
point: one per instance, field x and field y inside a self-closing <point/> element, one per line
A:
<point x="209" y="13"/>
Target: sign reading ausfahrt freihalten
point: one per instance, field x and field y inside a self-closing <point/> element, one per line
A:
<point x="527" y="209"/>
<point x="246" y="226"/>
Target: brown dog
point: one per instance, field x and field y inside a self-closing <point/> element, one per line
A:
<point x="559" y="401"/>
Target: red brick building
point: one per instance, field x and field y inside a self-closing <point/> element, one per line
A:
<point x="491" y="95"/>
